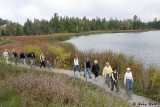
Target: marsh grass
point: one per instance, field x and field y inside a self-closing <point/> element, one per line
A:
<point x="38" y="88"/>
<point x="143" y="77"/>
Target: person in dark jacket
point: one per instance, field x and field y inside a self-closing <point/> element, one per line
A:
<point x="32" y="58"/>
<point x="87" y="67"/>
<point x="15" y="56"/>
<point x="114" y="80"/>
<point x="22" y="58"/>
<point x="95" y="69"/>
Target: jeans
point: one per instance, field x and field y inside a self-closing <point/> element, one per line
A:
<point x="77" y="66"/>
<point x="32" y="62"/>
<point x="129" y="85"/>
<point x="87" y="70"/>
<point x="116" y="85"/>
<point x="15" y="59"/>
<point x="23" y="61"/>
<point x="108" y="80"/>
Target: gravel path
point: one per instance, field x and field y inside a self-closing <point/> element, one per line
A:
<point x="134" y="100"/>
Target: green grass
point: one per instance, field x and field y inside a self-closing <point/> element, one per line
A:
<point x="143" y="83"/>
<point x="54" y="38"/>
<point x="57" y="38"/>
<point x="92" y="96"/>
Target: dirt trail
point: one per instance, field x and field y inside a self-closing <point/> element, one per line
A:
<point x="135" y="100"/>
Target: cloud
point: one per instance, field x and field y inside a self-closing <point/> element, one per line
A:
<point x="30" y="11"/>
<point x="20" y="10"/>
<point x="2" y="12"/>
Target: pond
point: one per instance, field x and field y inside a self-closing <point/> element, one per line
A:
<point x="144" y="46"/>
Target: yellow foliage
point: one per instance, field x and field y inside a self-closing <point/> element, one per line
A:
<point x="61" y="56"/>
<point x="1" y="38"/>
<point x="36" y="49"/>
<point x="156" y="79"/>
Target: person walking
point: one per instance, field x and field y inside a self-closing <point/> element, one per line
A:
<point x="48" y="65"/>
<point x="114" y="81"/>
<point x="22" y="58"/>
<point x="76" y="65"/>
<point x="15" y="56"/>
<point x="42" y="60"/>
<point x="128" y="80"/>
<point x="107" y="71"/>
<point x="32" y="59"/>
<point x="87" y="69"/>
<point x="6" y="55"/>
<point x="95" y="69"/>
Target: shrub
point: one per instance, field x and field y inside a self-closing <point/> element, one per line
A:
<point x="1" y="38"/>
<point x="156" y="80"/>
<point x="44" y="88"/>
<point x="60" y="56"/>
<point x="37" y="50"/>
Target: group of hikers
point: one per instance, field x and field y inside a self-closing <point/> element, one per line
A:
<point x="23" y="56"/>
<point x="111" y="75"/>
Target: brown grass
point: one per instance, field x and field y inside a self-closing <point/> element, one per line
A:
<point x="44" y="88"/>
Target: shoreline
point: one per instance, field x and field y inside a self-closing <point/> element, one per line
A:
<point x="119" y="60"/>
<point x="110" y="31"/>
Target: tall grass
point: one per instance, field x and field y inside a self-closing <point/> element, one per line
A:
<point x="143" y="77"/>
<point x="47" y="89"/>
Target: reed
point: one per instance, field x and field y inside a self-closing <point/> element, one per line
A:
<point x="27" y="88"/>
<point x="65" y="53"/>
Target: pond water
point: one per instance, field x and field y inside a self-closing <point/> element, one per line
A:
<point x="144" y="46"/>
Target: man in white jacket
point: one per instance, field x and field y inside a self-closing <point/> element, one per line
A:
<point x="6" y="55"/>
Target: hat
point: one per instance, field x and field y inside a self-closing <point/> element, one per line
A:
<point x="128" y="69"/>
<point x="95" y="61"/>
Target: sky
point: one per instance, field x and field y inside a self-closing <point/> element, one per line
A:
<point x="20" y="10"/>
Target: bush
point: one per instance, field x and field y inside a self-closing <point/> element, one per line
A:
<point x="44" y="88"/>
<point x="156" y="80"/>
<point x="60" y="56"/>
<point x="36" y="49"/>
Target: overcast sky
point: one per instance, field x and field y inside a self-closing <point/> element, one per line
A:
<point x="20" y="10"/>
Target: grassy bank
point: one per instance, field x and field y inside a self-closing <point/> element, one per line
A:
<point x="67" y="36"/>
<point x="61" y="55"/>
<point x="22" y="87"/>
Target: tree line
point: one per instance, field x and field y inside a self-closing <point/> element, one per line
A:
<point x="67" y="24"/>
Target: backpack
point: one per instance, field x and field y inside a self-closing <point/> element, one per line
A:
<point x="27" y="55"/>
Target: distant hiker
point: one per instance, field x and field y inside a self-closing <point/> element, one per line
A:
<point x="48" y="65"/>
<point x="76" y="65"/>
<point x="114" y="80"/>
<point x="42" y="60"/>
<point x="15" y="56"/>
<point x="107" y="71"/>
<point x="6" y="55"/>
<point x="32" y="59"/>
<point x="128" y="80"/>
<point x="95" y="69"/>
<point x="87" y="69"/>
<point x="22" y="58"/>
